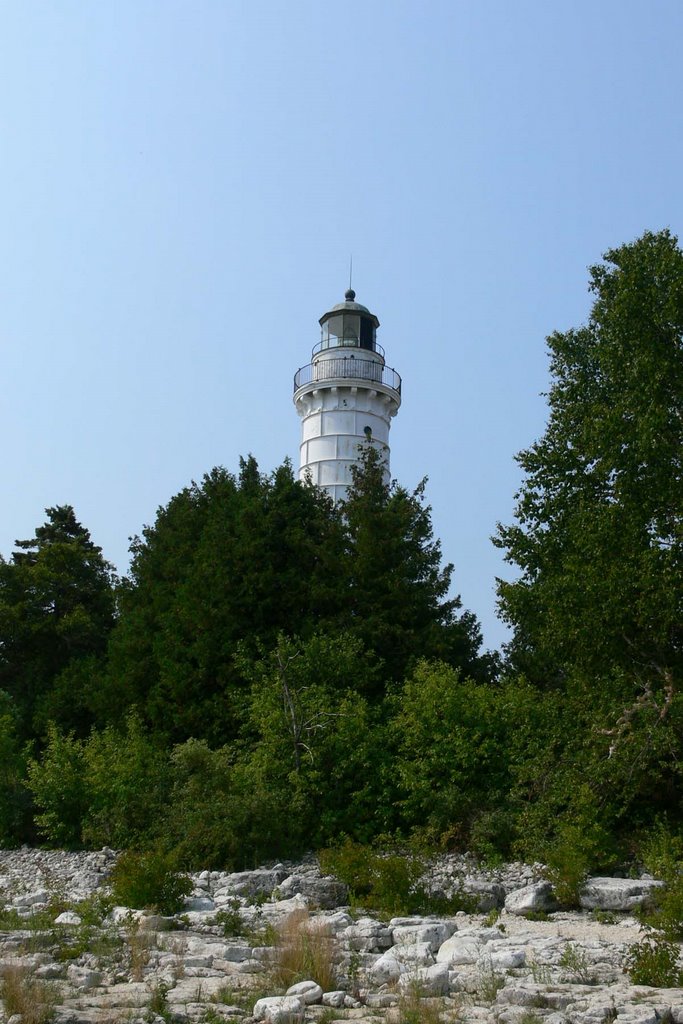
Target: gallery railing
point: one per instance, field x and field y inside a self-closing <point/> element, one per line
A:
<point x="348" y="368"/>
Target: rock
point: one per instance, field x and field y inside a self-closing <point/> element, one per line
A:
<point x="534" y="897"/>
<point x="488" y="895"/>
<point x="68" y="917"/>
<point x="334" y="999"/>
<point x="48" y="972"/>
<point x="504" y="958"/>
<point x="368" y="935"/>
<point x="83" y="978"/>
<point x="413" y="953"/>
<point x="254" y="883"/>
<point x="387" y="968"/>
<point x="324" y="892"/>
<point x="157" y="923"/>
<point x="199" y="904"/>
<point x="308" y="991"/>
<point x="279" y="1009"/>
<point x="434" y="933"/>
<point x="459" y="950"/>
<point x="428" y="981"/>
<point x="617" y="893"/>
<point x="125" y="915"/>
<point x="33" y="899"/>
<point x="380" y="1000"/>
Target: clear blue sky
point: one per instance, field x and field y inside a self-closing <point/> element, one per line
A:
<point x="181" y="185"/>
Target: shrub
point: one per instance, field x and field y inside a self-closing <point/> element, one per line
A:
<point x="148" y="880"/>
<point x="128" y="779"/>
<point x="654" y="961"/>
<point x="575" y="962"/>
<point x="59" y="789"/>
<point x="662" y="854"/>
<point x="580" y="843"/>
<point x="387" y="881"/>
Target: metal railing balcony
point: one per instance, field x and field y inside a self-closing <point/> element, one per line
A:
<point x="348" y="368"/>
<point x="335" y="342"/>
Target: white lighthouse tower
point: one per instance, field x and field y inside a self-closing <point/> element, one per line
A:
<point x="346" y="397"/>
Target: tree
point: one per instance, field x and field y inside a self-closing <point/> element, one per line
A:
<point x="56" y="612"/>
<point x="597" y="611"/>
<point x="396" y="591"/>
<point x="317" y="740"/>
<point x="229" y="562"/>
<point x="15" y="802"/>
<point x="599" y="531"/>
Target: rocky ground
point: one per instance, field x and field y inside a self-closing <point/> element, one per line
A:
<point x="280" y="944"/>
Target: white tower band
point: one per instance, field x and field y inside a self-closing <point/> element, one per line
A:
<point x="346" y="397"/>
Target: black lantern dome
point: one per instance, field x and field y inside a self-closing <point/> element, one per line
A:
<point x="349" y="325"/>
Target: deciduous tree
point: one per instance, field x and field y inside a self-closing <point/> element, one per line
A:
<point x="599" y="531"/>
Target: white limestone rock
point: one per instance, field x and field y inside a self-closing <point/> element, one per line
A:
<point x="458" y="950"/>
<point x="325" y="891"/>
<point x="386" y="969"/>
<point x="260" y="882"/>
<point x="68" y="917"/>
<point x="308" y="991"/>
<point x="622" y="894"/>
<point x="413" y="953"/>
<point x="534" y="897"/>
<point x="429" y="981"/>
<point x="488" y="895"/>
<point x="199" y="904"/>
<point x="334" y="999"/>
<point x="41" y="898"/>
<point x="368" y="936"/>
<point x="83" y="978"/>
<point x="434" y="933"/>
<point x="125" y="915"/>
<point x="502" y="958"/>
<point x="279" y="1009"/>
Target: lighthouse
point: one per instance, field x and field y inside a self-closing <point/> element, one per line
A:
<point x="346" y="397"/>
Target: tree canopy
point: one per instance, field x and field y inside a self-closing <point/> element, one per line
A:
<point x="233" y="562"/>
<point x="278" y="670"/>
<point x="599" y="531"/>
<point x="56" y="613"/>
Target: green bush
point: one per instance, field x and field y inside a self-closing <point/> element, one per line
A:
<point x="580" y="843"/>
<point x="59" y="788"/>
<point x="149" y="881"/>
<point x="662" y="853"/>
<point x="386" y="881"/>
<point x="127" y="778"/>
<point x="14" y="795"/>
<point x="654" y="962"/>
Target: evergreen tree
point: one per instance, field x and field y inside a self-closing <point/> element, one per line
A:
<point x="229" y="562"/>
<point x="56" y="612"/>
<point x="396" y="594"/>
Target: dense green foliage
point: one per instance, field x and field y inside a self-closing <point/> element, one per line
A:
<point x="56" y="614"/>
<point x="597" y="611"/>
<point x="279" y="673"/>
<point x="599" y="536"/>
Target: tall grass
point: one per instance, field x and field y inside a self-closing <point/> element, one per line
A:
<point x="21" y="992"/>
<point x="306" y="952"/>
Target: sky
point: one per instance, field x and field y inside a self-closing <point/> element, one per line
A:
<point x="182" y="185"/>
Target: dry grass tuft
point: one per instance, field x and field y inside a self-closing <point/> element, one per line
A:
<point x="306" y="952"/>
<point x="140" y="944"/>
<point x="21" y="992"/>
